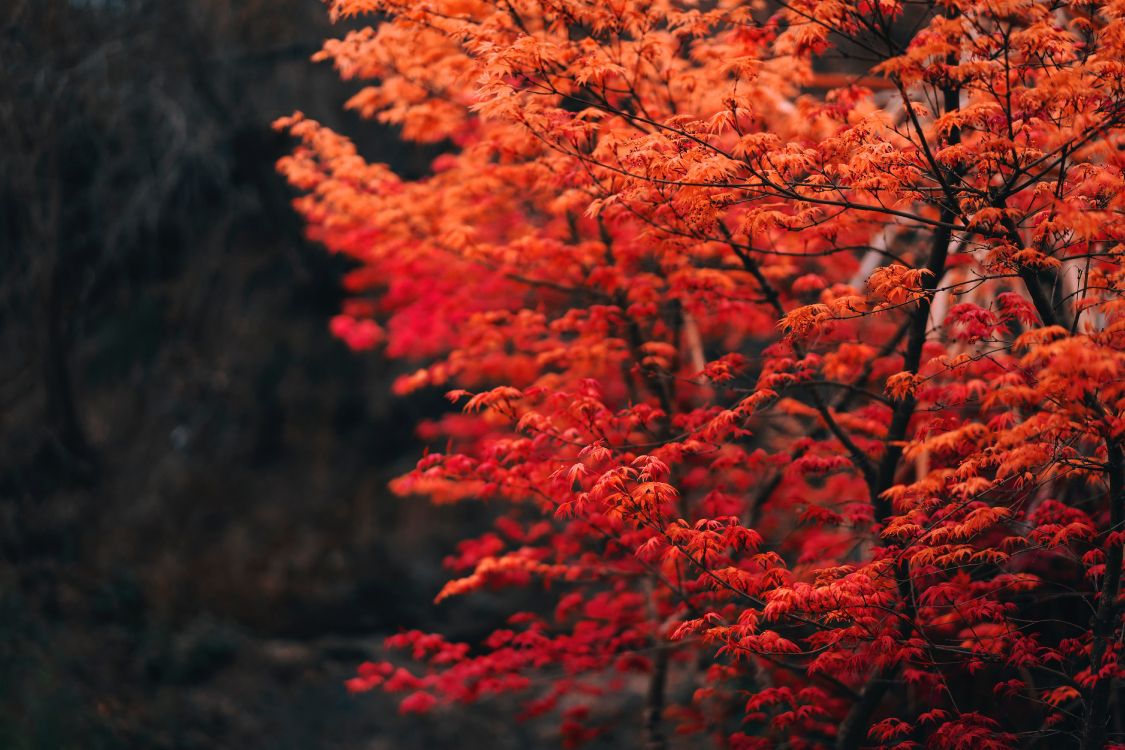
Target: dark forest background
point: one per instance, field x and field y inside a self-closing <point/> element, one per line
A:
<point x="196" y="541"/>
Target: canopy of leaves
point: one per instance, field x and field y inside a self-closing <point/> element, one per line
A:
<point x="802" y="392"/>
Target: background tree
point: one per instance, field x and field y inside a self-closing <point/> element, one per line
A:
<point x="803" y="393"/>
<point x="196" y="542"/>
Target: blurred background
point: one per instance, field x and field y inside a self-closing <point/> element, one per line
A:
<point x="196" y="541"/>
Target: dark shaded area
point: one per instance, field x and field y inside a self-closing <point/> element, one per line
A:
<point x="197" y="541"/>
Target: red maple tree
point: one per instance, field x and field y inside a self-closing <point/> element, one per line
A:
<point x="789" y="335"/>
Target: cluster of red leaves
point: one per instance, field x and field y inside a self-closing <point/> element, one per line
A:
<point x="802" y="393"/>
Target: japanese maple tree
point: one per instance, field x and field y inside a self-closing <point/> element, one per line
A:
<point x="790" y="340"/>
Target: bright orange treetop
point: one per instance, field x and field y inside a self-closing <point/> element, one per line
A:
<point x="790" y="337"/>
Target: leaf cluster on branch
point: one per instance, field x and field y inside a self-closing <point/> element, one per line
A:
<point x="790" y="336"/>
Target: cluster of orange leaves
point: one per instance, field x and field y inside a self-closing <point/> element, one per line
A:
<point x="802" y="393"/>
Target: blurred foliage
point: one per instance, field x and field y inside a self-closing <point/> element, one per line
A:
<point x="196" y="539"/>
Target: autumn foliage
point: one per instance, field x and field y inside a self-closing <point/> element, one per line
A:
<point x="790" y="339"/>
